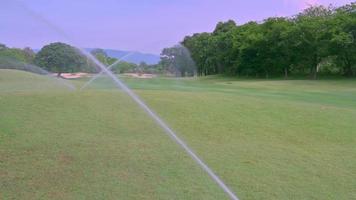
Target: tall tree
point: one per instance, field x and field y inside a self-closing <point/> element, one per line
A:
<point x="101" y="55"/>
<point x="201" y="51"/>
<point x="29" y="54"/>
<point x="59" y="58"/>
<point x="312" y="29"/>
<point x="222" y="41"/>
<point x="274" y="46"/>
<point x="124" y="67"/>
<point x="306" y="43"/>
<point x="178" y="57"/>
<point x="343" y="41"/>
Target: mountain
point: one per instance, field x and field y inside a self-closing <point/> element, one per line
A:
<point x="132" y="56"/>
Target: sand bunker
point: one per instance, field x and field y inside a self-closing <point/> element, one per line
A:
<point x="136" y="75"/>
<point x="81" y="75"/>
<point x="73" y="75"/>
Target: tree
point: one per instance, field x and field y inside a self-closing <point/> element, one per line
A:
<point x="29" y="54"/>
<point x="2" y="47"/>
<point x="60" y="58"/>
<point x="275" y="46"/>
<point x="142" y="67"/>
<point x="101" y="55"/>
<point x="247" y="39"/>
<point x="343" y="35"/>
<point x="124" y="67"/>
<point x="312" y="29"/>
<point x="20" y="55"/>
<point x="318" y="37"/>
<point x="201" y="50"/>
<point x="14" y="58"/>
<point x="179" y="60"/>
<point x="110" y="60"/>
<point x="224" y="51"/>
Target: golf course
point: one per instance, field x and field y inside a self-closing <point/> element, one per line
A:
<point x="178" y="100"/>
<point x="266" y="139"/>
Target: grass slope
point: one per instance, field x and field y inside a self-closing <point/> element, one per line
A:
<point x="22" y="81"/>
<point x="90" y="145"/>
<point x="266" y="139"/>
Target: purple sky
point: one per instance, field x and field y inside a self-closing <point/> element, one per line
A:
<point x="142" y="25"/>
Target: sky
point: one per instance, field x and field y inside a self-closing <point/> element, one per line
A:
<point x="135" y="25"/>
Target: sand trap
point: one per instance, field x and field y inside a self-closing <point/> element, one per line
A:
<point x="73" y="75"/>
<point x="136" y="75"/>
<point x="81" y="74"/>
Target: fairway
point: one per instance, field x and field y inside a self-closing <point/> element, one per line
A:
<point x="266" y="139"/>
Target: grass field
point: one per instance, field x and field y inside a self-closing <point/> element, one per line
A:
<point x="272" y="139"/>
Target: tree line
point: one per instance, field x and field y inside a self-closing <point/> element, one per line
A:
<point x="318" y="40"/>
<point x="26" y="55"/>
<point x="61" y="58"/>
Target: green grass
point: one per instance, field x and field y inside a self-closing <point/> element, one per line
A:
<point x="273" y="139"/>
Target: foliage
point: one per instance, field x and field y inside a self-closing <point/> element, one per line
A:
<point x="119" y="67"/>
<point x="26" y="55"/>
<point x="177" y="60"/>
<point x="280" y="46"/>
<point x="101" y="55"/>
<point x="124" y="67"/>
<point x="343" y="44"/>
<point x="59" y="58"/>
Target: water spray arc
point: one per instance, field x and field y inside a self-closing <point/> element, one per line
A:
<point x="85" y="85"/>
<point x="153" y="115"/>
<point x="165" y="127"/>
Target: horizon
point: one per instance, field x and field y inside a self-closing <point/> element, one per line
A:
<point x="139" y="26"/>
<point x="106" y="49"/>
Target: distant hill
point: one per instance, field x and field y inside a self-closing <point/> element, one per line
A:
<point x="134" y="57"/>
